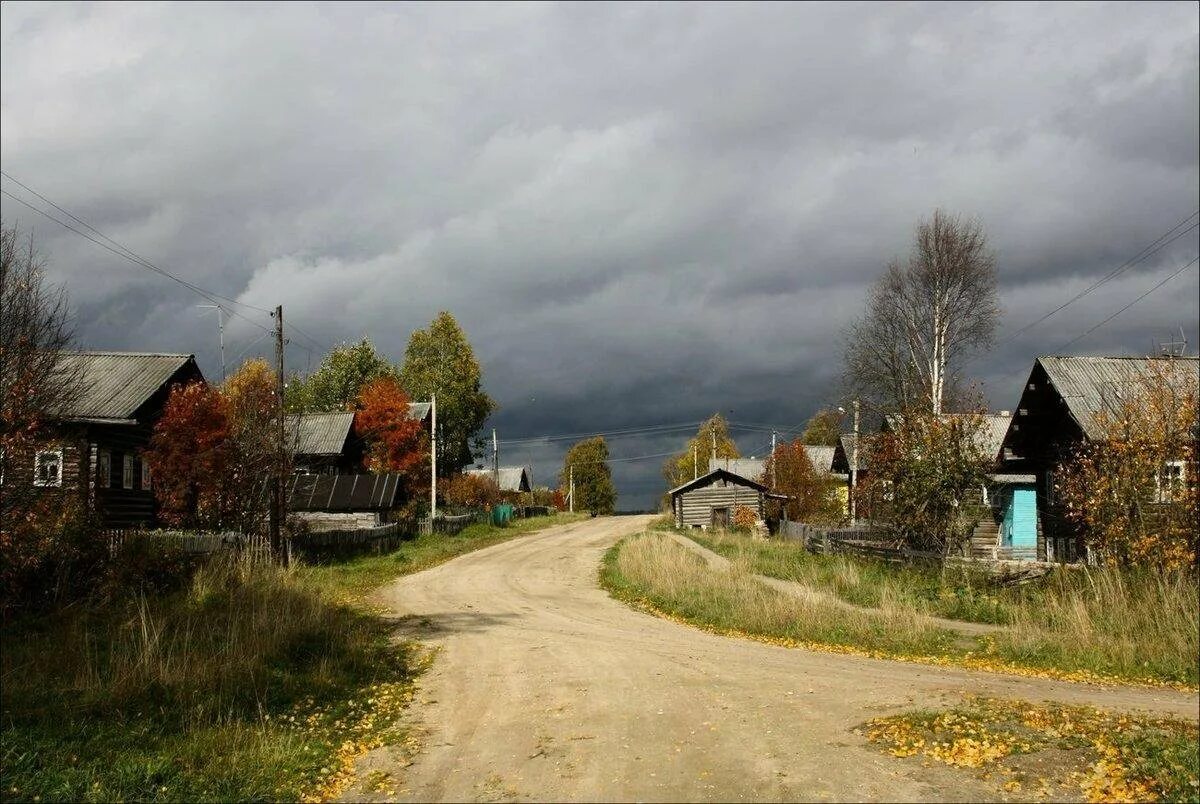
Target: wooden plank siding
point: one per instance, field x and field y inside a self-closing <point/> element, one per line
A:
<point x="694" y="508"/>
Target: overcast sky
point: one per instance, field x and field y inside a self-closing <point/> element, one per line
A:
<point x="640" y="213"/>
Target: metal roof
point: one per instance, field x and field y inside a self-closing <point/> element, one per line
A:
<point x="847" y="444"/>
<point x="512" y="478"/>
<point x="114" y="385"/>
<point x="362" y="492"/>
<point x="718" y="474"/>
<point x="319" y="433"/>
<point x="417" y="411"/>
<point x="746" y="467"/>
<point x="1089" y="384"/>
<point x="820" y="457"/>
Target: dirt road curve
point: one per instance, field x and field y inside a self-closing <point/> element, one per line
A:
<point x="547" y="689"/>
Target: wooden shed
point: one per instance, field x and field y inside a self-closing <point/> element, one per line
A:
<point x="710" y="501"/>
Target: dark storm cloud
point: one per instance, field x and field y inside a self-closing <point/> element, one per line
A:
<point x="640" y="213"/>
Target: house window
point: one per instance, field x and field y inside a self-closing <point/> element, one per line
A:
<point x="1171" y="481"/>
<point x="127" y="471"/>
<point x="104" y="469"/>
<point x="47" y="468"/>
<point x="145" y="475"/>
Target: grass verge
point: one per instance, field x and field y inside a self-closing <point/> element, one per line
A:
<point x="1052" y="750"/>
<point x="1064" y="631"/>
<point x="250" y="683"/>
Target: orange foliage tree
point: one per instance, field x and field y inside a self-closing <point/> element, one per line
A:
<point x="189" y="456"/>
<point x="395" y="442"/>
<point x="214" y="451"/>
<point x="470" y="491"/>
<point x="1133" y="493"/>
<point x="812" y="497"/>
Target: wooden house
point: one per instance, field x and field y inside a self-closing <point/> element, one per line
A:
<point x="91" y="453"/>
<point x="1057" y="412"/>
<point x="324" y="443"/>
<point x="710" y="501"/>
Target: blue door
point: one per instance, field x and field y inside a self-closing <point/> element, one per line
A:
<point x="1019" y="528"/>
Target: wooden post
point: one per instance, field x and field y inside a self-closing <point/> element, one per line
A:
<point x="276" y="514"/>
<point x="854" y="471"/>
<point x="432" y="459"/>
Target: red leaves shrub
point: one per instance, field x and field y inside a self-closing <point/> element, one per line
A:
<point x="189" y="455"/>
<point x="471" y="491"/>
<point x="395" y="443"/>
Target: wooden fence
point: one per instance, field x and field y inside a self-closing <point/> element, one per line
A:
<point x="190" y="542"/>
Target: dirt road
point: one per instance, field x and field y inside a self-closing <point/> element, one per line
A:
<point x="545" y="688"/>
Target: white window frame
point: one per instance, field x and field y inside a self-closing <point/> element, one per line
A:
<point x="126" y="471"/>
<point x="103" y="468"/>
<point x="889" y="490"/>
<point x="37" y="466"/>
<point x="1176" y="481"/>
<point x="146" y="479"/>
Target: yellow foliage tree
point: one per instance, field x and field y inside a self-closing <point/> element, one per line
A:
<point x="693" y="461"/>
<point x="1133" y="493"/>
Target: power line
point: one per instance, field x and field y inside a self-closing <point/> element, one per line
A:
<point x="654" y="429"/>
<point x="1127" y="306"/>
<point x="1158" y="244"/>
<point x="212" y="297"/>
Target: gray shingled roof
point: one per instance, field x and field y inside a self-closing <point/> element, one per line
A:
<point x="113" y="385"/>
<point x="751" y="468"/>
<point x="511" y="477"/>
<point x="319" y="433"/>
<point x="718" y="474"/>
<point x="1087" y="384"/>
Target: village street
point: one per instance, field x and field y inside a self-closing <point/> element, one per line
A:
<point x="546" y="688"/>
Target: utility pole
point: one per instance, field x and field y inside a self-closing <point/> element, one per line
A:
<point x="432" y="459"/>
<point x="854" y="471"/>
<point x="495" y="457"/>
<point x="276" y="515"/>
<point x="772" y="459"/>
<point x="220" y="332"/>
<point x="713" y="433"/>
<point x="571" y="493"/>
<point x="695" y="463"/>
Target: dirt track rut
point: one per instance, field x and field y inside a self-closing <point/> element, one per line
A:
<point x="545" y="688"/>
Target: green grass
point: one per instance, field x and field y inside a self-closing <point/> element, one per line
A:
<point x="1131" y="625"/>
<point x="356" y="577"/>
<point x="250" y="683"/>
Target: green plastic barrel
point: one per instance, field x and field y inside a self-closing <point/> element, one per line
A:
<point x="501" y="514"/>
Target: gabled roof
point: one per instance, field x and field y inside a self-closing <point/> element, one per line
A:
<point x="846" y="444"/>
<point x="512" y="478"/>
<point x="746" y="467"/>
<point x="1088" y="384"/>
<point x="319" y="433"/>
<point x="821" y="457"/>
<point x="115" y="385"/>
<point x="718" y="474"/>
<point x="418" y="411"/>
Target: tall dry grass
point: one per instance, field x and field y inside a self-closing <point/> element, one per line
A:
<point x="654" y="568"/>
<point x="1138" y="624"/>
<point x="238" y="639"/>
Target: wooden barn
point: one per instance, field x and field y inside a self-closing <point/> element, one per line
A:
<point x="709" y="501"/>
<point x="91" y="454"/>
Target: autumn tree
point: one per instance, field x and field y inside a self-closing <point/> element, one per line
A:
<point x="470" y="491"/>
<point x="190" y="456"/>
<point x="594" y="490"/>
<point x="35" y="385"/>
<point x="924" y="316"/>
<point x="439" y="360"/>
<point x="394" y="441"/>
<point x="214" y="451"/>
<point x="823" y="428"/>
<point x="812" y="495"/>
<point x="339" y="379"/>
<point x="1132" y="493"/>
<point x="928" y="470"/>
<point x="712" y="437"/>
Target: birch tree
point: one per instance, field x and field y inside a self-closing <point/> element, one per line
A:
<point x="924" y="316"/>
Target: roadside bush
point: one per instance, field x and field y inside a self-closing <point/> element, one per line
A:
<point x="470" y="491"/>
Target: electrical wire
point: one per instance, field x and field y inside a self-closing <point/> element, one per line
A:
<point x="1127" y="306"/>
